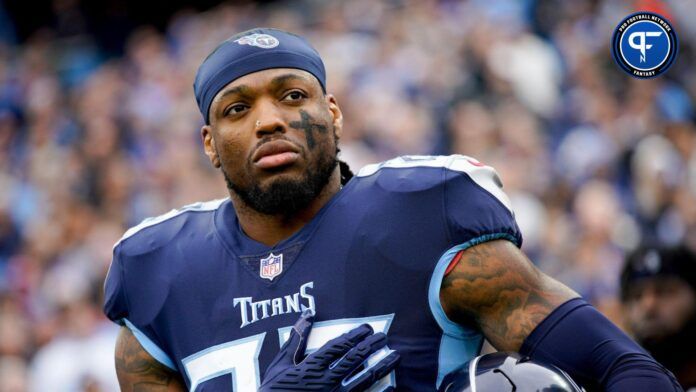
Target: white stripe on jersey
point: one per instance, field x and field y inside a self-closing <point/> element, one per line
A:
<point x="147" y="222"/>
<point x="485" y="176"/>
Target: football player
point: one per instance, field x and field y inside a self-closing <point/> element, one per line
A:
<point x="424" y="250"/>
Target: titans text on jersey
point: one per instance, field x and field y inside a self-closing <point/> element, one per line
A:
<point x="206" y="300"/>
<point x="253" y="311"/>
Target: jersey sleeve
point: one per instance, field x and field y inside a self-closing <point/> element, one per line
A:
<point x="115" y="307"/>
<point x="476" y="208"/>
<point x="118" y="309"/>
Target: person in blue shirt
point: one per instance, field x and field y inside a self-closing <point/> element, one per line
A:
<point x="418" y="256"/>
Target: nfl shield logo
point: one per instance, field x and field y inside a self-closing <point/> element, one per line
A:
<point x="271" y="266"/>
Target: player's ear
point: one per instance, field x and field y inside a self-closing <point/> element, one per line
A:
<point x="336" y="114"/>
<point x="209" y="145"/>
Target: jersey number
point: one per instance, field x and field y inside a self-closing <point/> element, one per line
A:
<point x="240" y="358"/>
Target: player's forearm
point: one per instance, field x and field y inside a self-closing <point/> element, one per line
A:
<point x="138" y="371"/>
<point x="578" y="339"/>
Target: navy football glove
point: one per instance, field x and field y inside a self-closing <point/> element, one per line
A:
<point x="330" y="368"/>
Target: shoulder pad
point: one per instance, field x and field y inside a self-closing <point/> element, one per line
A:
<point x="168" y="225"/>
<point x="485" y="176"/>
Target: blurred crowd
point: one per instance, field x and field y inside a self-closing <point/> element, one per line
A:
<point x="595" y="161"/>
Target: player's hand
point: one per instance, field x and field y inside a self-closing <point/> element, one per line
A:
<point x="331" y="367"/>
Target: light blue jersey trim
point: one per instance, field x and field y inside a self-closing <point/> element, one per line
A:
<point x="150" y="346"/>
<point x="455" y="352"/>
<point x="232" y="371"/>
<point x="458" y="344"/>
<point x="448" y="326"/>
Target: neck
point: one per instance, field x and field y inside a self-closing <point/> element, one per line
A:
<point x="271" y="229"/>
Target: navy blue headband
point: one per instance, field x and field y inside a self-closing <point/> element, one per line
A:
<point x="251" y="51"/>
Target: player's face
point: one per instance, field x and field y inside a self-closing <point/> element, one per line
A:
<point x="659" y="307"/>
<point x="274" y="135"/>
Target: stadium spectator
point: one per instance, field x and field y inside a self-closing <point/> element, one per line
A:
<point x="658" y="290"/>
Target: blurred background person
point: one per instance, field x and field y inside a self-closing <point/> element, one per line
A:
<point x="658" y="292"/>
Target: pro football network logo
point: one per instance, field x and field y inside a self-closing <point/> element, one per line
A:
<point x="271" y="266"/>
<point x="264" y="41"/>
<point x="644" y="45"/>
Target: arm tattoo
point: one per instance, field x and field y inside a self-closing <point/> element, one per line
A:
<point x="498" y="288"/>
<point x="139" y="371"/>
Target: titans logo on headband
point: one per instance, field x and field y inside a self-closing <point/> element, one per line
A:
<point x="264" y="41"/>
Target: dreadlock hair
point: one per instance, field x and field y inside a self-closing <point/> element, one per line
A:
<point x="346" y="173"/>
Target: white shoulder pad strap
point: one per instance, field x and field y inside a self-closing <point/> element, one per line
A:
<point x="485" y="176"/>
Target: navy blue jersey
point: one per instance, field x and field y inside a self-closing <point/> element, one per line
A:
<point x="208" y="301"/>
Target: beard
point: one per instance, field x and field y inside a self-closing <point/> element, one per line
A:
<point x="675" y="350"/>
<point x="285" y="196"/>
